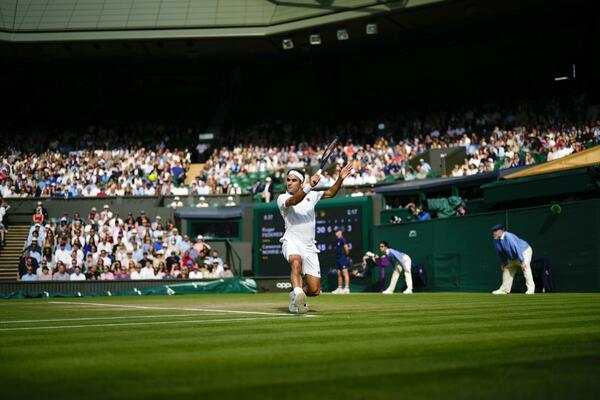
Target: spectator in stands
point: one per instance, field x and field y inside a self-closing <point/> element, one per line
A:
<point x="107" y="275"/>
<point x="202" y="203"/>
<point x="3" y="210"/>
<point x="34" y="251"/>
<point x="26" y="261"/>
<point x="92" y="273"/>
<point x="172" y="259"/>
<point x="175" y="272"/>
<point x="61" y="273"/>
<point x="418" y="213"/>
<point x="234" y="189"/>
<point x="226" y="273"/>
<point x="200" y="246"/>
<point x="185" y="244"/>
<point x="135" y="273"/>
<point x="257" y="188"/>
<point x="43" y="263"/>
<point x="77" y="275"/>
<point x="120" y="274"/>
<point x="148" y="271"/>
<point x="176" y="203"/>
<point x="195" y="273"/>
<point x="44" y="274"/>
<point x="217" y="268"/>
<point x="162" y="271"/>
<point x="71" y="266"/>
<point x="267" y="192"/>
<point x="230" y="202"/>
<point x="216" y="257"/>
<point x="29" y="274"/>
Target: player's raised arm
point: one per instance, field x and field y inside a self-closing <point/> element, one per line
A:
<point x="332" y="191"/>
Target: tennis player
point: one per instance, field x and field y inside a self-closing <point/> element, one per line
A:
<point x="297" y="207"/>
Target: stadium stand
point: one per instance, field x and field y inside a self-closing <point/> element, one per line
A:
<point x="104" y="246"/>
<point x="380" y="152"/>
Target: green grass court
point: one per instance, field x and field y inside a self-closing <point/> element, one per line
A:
<point x="359" y="346"/>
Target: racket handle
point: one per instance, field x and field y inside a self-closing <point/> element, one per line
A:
<point x="319" y="171"/>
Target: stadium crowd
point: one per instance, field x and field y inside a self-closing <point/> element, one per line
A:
<point x="493" y="137"/>
<point x="104" y="246"/>
<point x="96" y="164"/>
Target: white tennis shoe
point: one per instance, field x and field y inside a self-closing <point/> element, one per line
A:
<point x="499" y="291"/>
<point x="292" y="307"/>
<point x="300" y="303"/>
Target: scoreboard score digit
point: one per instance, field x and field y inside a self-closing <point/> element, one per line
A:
<point x="329" y="218"/>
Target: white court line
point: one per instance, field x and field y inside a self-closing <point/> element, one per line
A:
<point x="199" y="321"/>
<point x="27" y="321"/>
<point x="171" y="308"/>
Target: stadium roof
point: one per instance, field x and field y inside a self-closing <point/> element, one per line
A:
<point x="70" y="20"/>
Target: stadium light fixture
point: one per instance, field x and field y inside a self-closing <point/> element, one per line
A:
<point x="287" y="44"/>
<point x="342" y="34"/>
<point x="372" y="29"/>
<point x="315" y="39"/>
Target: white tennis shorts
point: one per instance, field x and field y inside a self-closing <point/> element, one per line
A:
<point x="310" y="258"/>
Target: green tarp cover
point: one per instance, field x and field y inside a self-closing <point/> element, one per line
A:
<point x="230" y="285"/>
<point x="445" y="207"/>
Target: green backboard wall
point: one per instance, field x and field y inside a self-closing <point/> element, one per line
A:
<point x="459" y="254"/>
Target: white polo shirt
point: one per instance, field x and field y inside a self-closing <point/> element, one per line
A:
<point x="75" y="277"/>
<point x="300" y="219"/>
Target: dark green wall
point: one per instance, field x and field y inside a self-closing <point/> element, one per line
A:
<point x="459" y="253"/>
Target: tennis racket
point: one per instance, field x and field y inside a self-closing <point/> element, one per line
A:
<point x="327" y="153"/>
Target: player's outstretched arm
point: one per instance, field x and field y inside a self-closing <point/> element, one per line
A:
<point x="332" y="191"/>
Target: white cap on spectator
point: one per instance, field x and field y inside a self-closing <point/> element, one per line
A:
<point x="199" y="237"/>
<point x="176" y="197"/>
<point x="106" y="206"/>
<point x="39" y="203"/>
<point x="202" y="198"/>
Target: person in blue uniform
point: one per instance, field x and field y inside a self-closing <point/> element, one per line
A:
<point x="401" y="263"/>
<point x="342" y="262"/>
<point x="514" y="253"/>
